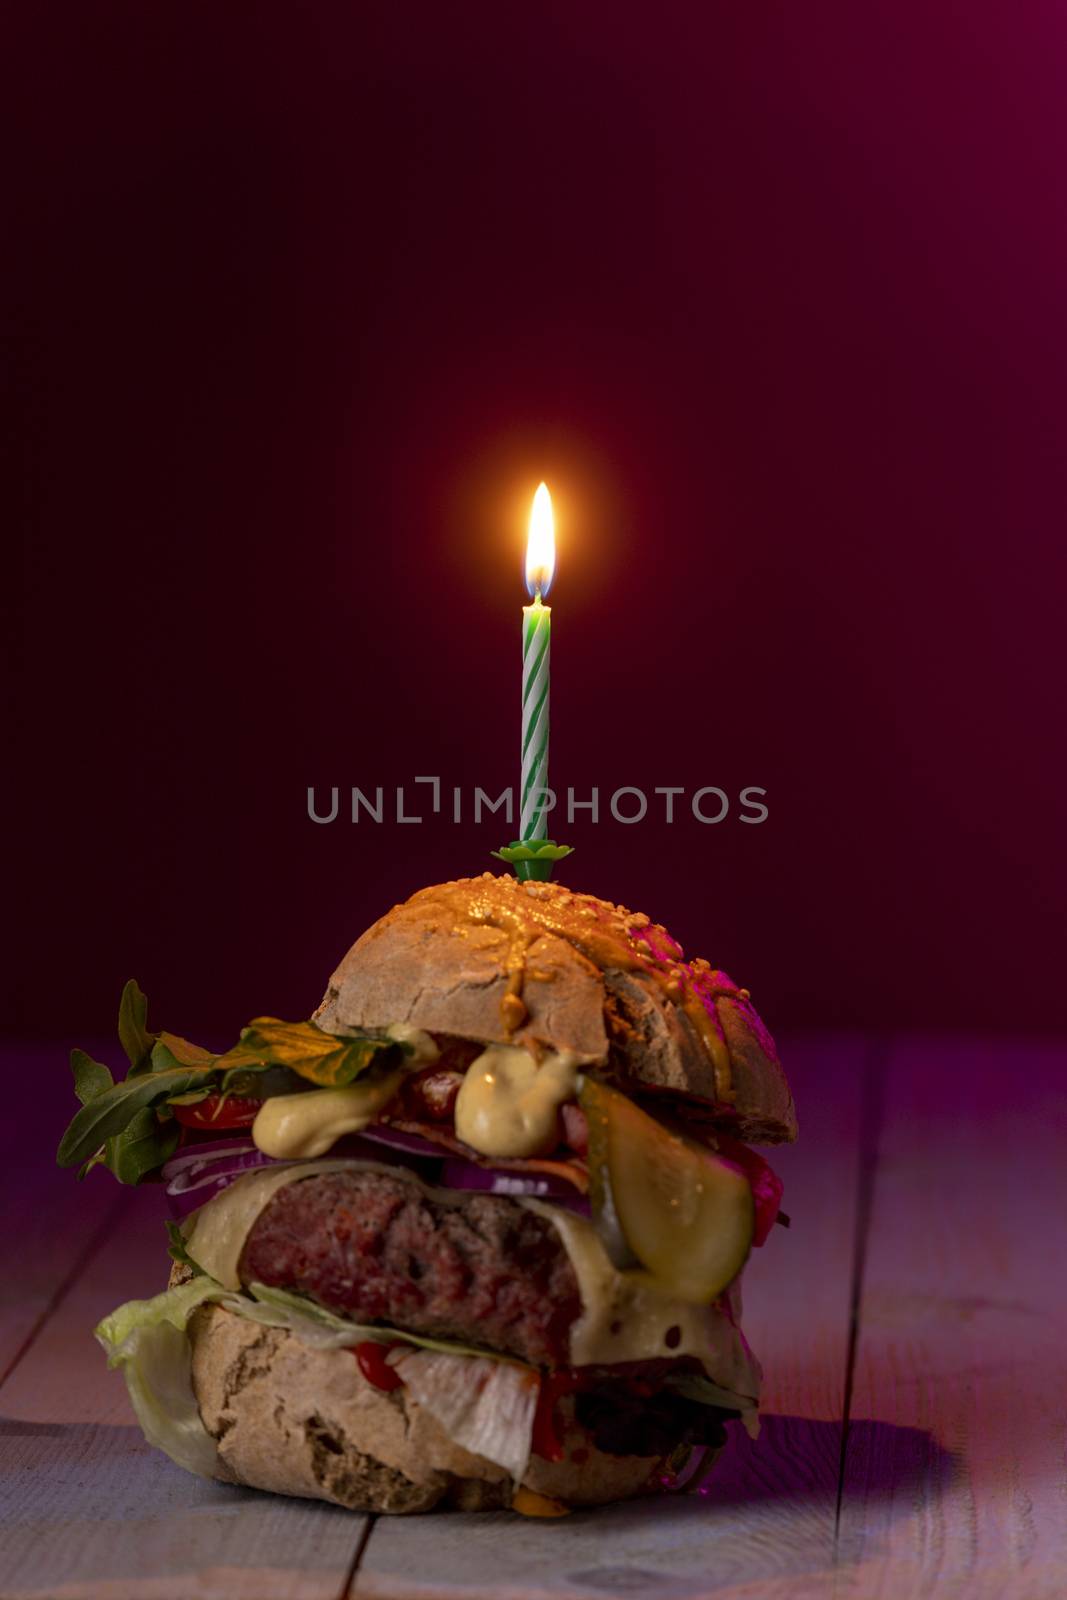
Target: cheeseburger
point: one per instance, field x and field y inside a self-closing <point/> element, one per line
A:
<point x="471" y="1236"/>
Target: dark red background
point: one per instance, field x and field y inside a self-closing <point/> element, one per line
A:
<point x="302" y="303"/>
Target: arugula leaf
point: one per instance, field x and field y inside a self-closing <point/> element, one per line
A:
<point x="178" y="1252"/>
<point x="139" y="1042"/>
<point x="164" y="1059"/>
<point x="109" y="1113"/>
<point x="117" y="1126"/>
<point x="134" y="1036"/>
<point x="182" y="1052"/>
<point x="90" y="1077"/>
<point x="143" y="1145"/>
<point x="327" y="1059"/>
<point x="697" y="1386"/>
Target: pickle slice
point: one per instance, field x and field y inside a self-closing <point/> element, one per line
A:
<point x="686" y="1215"/>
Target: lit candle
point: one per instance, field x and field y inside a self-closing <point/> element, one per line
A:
<point x="536" y="659"/>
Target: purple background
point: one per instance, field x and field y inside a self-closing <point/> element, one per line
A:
<point x="301" y="305"/>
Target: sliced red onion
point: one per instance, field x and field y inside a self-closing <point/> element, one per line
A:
<point x="460" y="1174"/>
<point x="206" y="1150"/>
<point x="689" y="1474"/>
<point x="195" y="1173"/>
<point x="413" y="1143"/>
<point x="181" y="1204"/>
<point x="199" y="1172"/>
<point x="194" y="1182"/>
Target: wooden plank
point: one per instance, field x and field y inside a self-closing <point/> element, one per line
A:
<point x="90" y="1512"/>
<point x="955" y="1482"/>
<point x="767" y="1525"/>
<point x="48" y="1221"/>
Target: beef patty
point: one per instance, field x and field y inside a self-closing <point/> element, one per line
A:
<point x="376" y="1248"/>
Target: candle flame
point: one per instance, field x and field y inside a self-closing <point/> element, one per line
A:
<point x="541" y="544"/>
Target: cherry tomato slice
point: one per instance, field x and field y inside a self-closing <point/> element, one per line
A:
<point x="235" y="1111"/>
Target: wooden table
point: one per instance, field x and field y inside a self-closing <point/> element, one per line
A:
<point x="912" y="1325"/>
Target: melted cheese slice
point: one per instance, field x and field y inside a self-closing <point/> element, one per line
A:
<point x="624" y="1317"/>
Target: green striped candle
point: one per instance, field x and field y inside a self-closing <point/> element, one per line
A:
<point x="536" y="661"/>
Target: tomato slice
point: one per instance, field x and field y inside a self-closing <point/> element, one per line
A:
<point x="765" y="1183"/>
<point x="216" y="1112"/>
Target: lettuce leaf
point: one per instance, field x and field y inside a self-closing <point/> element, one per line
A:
<point x="322" y="1330"/>
<point x="148" y="1341"/>
<point x="485" y="1402"/>
<point x="486" y="1407"/>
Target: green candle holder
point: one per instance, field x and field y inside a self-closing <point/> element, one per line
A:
<point x="533" y="858"/>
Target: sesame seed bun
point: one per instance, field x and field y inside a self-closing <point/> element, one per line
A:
<point x="494" y="960"/>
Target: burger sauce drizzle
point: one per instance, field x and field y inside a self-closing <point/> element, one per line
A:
<point x="608" y="936"/>
<point x="546" y="1441"/>
<point x="373" y="1361"/>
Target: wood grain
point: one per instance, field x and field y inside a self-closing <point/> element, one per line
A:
<point x="767" y="1525"/>
<point x="48" y="1221"/>
<point x="89" y="1512"/>
<point x="955" y="1481"/>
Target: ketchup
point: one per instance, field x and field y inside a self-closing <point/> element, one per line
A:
<point x="375" y="1367"/>
<point x="546" y="1441"/>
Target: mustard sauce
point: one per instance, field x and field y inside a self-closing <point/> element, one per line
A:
<point x="608" y="936"/>
<point x="508" y="1104"/>
<point x="299" y="1127"/>
<point x="421" y="1048"/>
<point x="531" y="1504"/>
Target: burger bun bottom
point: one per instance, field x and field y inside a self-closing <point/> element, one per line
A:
<point x="300" y="1421"/>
